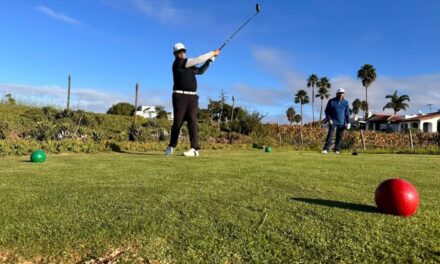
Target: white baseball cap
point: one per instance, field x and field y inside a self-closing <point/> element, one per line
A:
<point x="178" y="46"/>
<point x="340" y="90"/>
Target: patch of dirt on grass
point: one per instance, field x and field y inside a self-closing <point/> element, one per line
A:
<point x="6" y="256"/>
<point x="112" y="256"/>
<point x="12" y="257"/>
<point x="133" y="253"/>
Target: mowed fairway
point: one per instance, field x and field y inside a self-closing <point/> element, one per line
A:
<point x="223" y="207"/>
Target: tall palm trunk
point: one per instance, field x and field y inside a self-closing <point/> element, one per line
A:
<point x="366" y="100"/>
<point x="313" y="106"/>
<point x="300" y="128"/>
<point x="320" y="114"/>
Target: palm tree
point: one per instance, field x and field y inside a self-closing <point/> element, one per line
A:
<point x="297" y="118"/>
<point x="364" y="105"/>
<point x="312" y="82"/>
<point x="10" y="99"/>
<point x="290" y="113"/>
<point x="302" y="98"/>
<point x="368" y="75"/>
<point x="322" y="94"/>
<point x="324" y="83"/>
<point x="397" y="102"/>
<point x="357" y="103"/>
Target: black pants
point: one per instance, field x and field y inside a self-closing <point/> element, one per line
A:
<point x="339" y="135"/>
<point x="186" y="107"/>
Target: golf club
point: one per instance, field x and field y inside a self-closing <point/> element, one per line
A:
<point x="257" y="7"/>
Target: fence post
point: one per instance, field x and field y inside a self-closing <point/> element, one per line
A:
<point x="363" y="140"/>
<point x="411" y="139"/>
<point x="279" y="134"/>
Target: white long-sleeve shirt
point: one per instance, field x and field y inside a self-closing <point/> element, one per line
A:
<point x="198" y="60"/>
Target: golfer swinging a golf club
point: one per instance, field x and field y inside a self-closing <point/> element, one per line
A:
<point x="185" y="98"/>
<point x="338" y="115"/>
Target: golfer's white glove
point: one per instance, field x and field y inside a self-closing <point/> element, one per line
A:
<point x="348" y="126"/>
<point x="212" y="59"/>
<point x="330" y="122"/>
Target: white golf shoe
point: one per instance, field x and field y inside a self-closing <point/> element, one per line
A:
<point x="324" y="151"/>
<point x="169" y="151"/>
<point x="191" y="153"/>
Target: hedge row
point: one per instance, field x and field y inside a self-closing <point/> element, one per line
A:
<point x="314" y="138"/>
<point x="20" y="147"/>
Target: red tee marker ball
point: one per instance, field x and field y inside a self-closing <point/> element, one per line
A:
<point x="397" y="197"/>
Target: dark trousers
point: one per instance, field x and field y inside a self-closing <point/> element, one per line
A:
<point x="185" y="108"/>
<point x="339" y="135"/>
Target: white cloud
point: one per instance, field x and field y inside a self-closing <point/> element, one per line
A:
<point x="59" y="16"/>
<point x="260" y="96"/>
<point x="82" y="98"/>
<point x="275" y="62"/>
<point x="161" y="11"/>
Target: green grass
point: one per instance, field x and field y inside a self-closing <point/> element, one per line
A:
<point x="223" y="207"/>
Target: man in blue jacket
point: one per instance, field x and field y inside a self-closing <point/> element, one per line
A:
<point x="337" y="113"/>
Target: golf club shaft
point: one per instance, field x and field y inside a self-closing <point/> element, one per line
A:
<point x="244" y="24"/>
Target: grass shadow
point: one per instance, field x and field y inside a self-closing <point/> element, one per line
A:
<point x="141" y="153"/>
<point x="116" y="148"/>
<point x="338" y="204"/>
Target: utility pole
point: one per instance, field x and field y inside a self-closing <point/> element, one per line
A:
<point x="430" y="107"/>
<point x="233" y="103"/>
<point x="136" y="102"/>
<point x="68" y="93"/>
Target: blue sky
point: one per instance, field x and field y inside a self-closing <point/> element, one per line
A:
<point x="109" y="45"/>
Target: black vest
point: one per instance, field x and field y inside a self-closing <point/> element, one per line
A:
<point x="184" y="78"/>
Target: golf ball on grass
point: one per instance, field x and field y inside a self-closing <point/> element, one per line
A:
<point x="38" y="156"/>
<point x="397" y="197"/>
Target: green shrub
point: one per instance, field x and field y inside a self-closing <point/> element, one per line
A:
<point x="64" y="130"/>
<point x="121" y="136"/>
<point x="64" y="114"/>
<point x="137" y="132"/>
<point x="84" y="119"/>
<point x="4" y="128"/>
<point x="50" y="112"/>
<point x="34" y="115"/>
<point x="43" y="130"/>
<point x="208" y="132"/>
<point x="260" y="137"/>
<point x="96" y="136"/>
<point x="122" y="108"/>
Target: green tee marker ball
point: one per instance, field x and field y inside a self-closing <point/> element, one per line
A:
<point x="38" y="156"/>
<point x="268" y="149"/>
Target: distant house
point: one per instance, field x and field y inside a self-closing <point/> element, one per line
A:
<point x="425" y="122"/>
<point x="399" y="123"/>
<point x="146" y="111"/>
